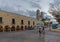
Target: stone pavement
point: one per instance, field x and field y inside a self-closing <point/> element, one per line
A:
<point x="29" y="36"/>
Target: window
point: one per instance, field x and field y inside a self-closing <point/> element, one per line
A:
<point x="22" y="22"/>
<point x="33" y="23"/>
<point x="0" y="19"/>
<point x="28" y="22"/>
<point x="13" y="21"/>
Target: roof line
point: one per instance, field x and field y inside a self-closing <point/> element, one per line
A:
<point x="16" y="14"/>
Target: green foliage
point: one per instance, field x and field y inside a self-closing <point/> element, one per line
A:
<point x="58" y="20"/>
<point x="46" y="23"/>
<point x="43" y="20"/>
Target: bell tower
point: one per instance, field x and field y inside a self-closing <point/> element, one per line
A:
<point x="38" y="14"/>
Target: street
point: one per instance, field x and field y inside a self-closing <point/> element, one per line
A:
<point x="29" y="36"/>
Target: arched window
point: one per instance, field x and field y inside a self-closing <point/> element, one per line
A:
<point x="0" y="19"/>
<point x="22" y="22"/>
<point x="13" y="21"/>
<point x="1" y="28"/>
<point x="33" y="23"/>
<point x="28" y="22"/>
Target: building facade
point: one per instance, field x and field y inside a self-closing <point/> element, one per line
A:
<point x="11" y="21"/>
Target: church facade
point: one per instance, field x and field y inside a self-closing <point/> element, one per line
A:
<point x="13" y="22"/>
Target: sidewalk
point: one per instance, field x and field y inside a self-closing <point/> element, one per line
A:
<point x="55" y="30"/>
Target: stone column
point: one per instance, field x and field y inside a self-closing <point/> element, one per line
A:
<point x="3" y="29"/>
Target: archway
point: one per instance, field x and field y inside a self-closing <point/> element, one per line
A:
<point x="21" y="27"/>
<point x="25" y="27"/>
<point x="1" y="28"/>
<point x="31" y="26"/>
<point x="7" y="28"/>
<point x="13" y="28"/>
<point x="17" y="28"/>
<point x="28" y="27"/>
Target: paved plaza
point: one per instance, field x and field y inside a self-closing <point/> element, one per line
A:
<point x="29" y="36"/>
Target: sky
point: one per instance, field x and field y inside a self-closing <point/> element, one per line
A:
<point x="57" y="1"/>
<point x="25" y="7"/>
<point x="45" y="4"/>
<point x="45" y="7"/>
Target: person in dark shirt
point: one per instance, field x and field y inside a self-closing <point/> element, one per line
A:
<point x="40" y="30"/>
<point x="43" y="29"/>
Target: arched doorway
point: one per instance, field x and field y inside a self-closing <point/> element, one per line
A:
<point x="21" y="27"/>
<point x="28" y="27"/>
<point x="7" y="28"/>
<point x="31" y="26"/>
<point x="1" y="28"/>
<point x="25" y="27"/>
<point x="17" y="28"/>
<point x="13" y="28"/>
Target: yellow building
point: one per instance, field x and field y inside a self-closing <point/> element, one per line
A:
<point x="11" y="21"/>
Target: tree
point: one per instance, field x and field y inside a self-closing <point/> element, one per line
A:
<point x="54" y="9"/>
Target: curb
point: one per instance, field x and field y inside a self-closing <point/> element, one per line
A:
<point x="55" y="30"/>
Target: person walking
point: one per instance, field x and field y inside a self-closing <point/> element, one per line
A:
<point x="39" y="30"/>
<point x="43" y="29"/>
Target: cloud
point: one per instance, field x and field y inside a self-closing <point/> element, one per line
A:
<point x="19" y="3"/>
<point x="19" y="6"/>
<point x="23" y="7"/>
<point x="57" y="1"/>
